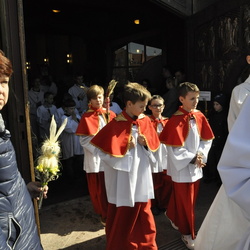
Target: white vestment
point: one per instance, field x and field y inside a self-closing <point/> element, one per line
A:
<point x="179" y="167"/>
<point x="128" y="179"/>
<point x="81" y="104"/>
<point x="225" y="226"/>
<point x="92" y="160"/>
<point x="69" y="140"/>
<point x="239" y="94"/>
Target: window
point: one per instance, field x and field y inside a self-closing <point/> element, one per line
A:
<point x="130" y="58"/>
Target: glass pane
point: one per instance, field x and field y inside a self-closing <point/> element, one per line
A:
<point x="135" y="54"/>
<point x="121" y="57"/>
<point x="152" y="52"/>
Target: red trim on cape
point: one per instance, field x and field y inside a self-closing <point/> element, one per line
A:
<point x="89" y="123"/>
<point x="156" y="121"/>
<point x="177" y="128"/>
<point x="114" y="138"/>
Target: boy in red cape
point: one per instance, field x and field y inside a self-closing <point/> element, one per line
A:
<point x="90" y="124"/>
<point x="128" y="147"/>
<point x="162" y="181"/>
<point x="188" y="137"/>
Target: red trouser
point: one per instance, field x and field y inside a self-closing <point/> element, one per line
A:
<point x="97" y="192"/>
<point x="182" y="205"/>
<point x="162" y="189"/>
<point x="130" y="228"/>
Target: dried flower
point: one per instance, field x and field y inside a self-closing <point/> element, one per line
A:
<point x="47" y="168"/>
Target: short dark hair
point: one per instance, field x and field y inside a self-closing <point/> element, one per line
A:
<point x="134" y="92"/>
<point x="5" y="65"/>
<point x="69" y="103"/>
<point x="186" y="87"/>
<point x="47" y="94"/>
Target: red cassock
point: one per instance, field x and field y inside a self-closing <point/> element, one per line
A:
<point x="89" y="126"/>
<point x="162" y="181"/>
<point x="137" y="232"/>
<point x="182" y="201"/>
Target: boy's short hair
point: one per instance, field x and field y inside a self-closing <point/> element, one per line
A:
<point x="47" y="94"/>
<point x="94" y="91"/>
<point x="135" y="92"/>
<point x="186" y="87"/>
<point x="5" y="65"/>
<point x="156" y="97"/>
<point x="69" y="103"/>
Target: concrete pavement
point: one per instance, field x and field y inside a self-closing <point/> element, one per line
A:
<point x="72" y="224"/>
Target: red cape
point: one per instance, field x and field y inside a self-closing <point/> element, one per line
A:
<point x="155" y="121"/>
<point x="177" y="128"/>
<point x="89" y="123"/>
<point x="114" y="138"/>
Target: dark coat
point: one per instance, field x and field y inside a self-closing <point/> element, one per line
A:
<point x="18" y="229"/>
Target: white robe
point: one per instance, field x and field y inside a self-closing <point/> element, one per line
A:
<point x="81" y="105"/>
<point x="239" y="94"/>
<point x="161" y="156"/>
<point x="128" y="179"/>
<point x="92" y="160"/>
<point x="34" y="98"/>
<point x="69" y="140"/>
<point x="44" y="115"/>
<point x="179" y="167"/>
<point x="215" y="234"/>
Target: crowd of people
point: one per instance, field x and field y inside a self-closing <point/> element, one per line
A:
<point x="141" y="158"/>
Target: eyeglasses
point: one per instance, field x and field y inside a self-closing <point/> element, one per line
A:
<point x="156" y="106"/>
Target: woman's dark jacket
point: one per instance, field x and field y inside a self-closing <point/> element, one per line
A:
<point x="18" y="229"/>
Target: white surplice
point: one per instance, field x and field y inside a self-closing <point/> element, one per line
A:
<point x="225" y="225"/>
<point x="128" y="179"/>
<point x="92" y="161"/>
<point x="179" y="167"/>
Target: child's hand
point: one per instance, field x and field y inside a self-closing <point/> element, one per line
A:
<point x="132" y="143"/>
<point x="199" y="161"/>
<point x="141" y="140"/>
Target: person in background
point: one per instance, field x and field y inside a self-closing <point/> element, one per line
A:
<point x="166" y="73"/>
<point x="188" y="137"/>
<point x="47" y="85"/>
<point x="171" y="99"/>
<point x="36" y="99"/>
<point x="218" y="122"/>
<point x="126" y="146"/>
<point x="72" y="151"/>
<point x="44" y="115"/>
<point x="162" y="181"/>
<point x="92" y="121"/>
<point x="180" y="76"/>
<point x="79" y="94"/>
<point x="148" y="85"/>
<point x="18" y="229"/>
<point x="60" y="111"/>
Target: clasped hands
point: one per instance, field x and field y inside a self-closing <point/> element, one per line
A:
<point x="141" y="140"/>
<point x="199" y="161"/>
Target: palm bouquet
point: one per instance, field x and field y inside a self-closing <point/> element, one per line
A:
<point x="47" y="168"/>
<point x="109" y="91"/>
